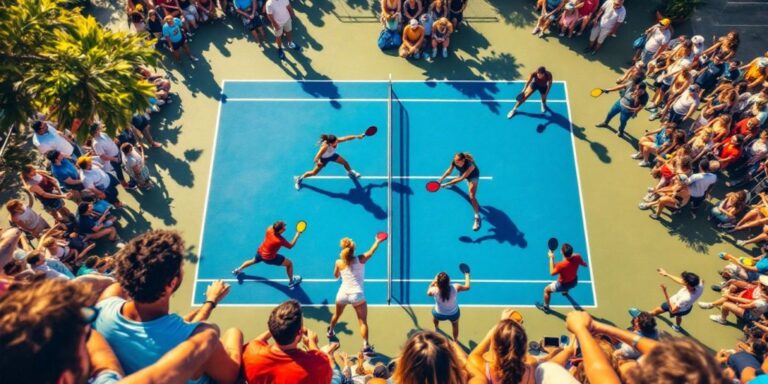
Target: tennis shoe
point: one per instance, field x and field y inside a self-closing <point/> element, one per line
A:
<point x="677" y="328"/>
<point x="705" y="305"/>
<point x="330" y="333"/>
<point x="369" y="351"/>
<point x="511" y="114"/>
<point x="718" y="319"/>
<point x="476" y="224"/>
<point x="542" y="307"/>
<point x="445" y="53"/>
<point x="292" y="45"/>
<point x="354" y="174"/>
<point x="602" y="125"/>
<point x="297" y="182"/>
<point x="543" y="108"/>
<point x="637" y="156"/>
<point x="296" y="281"/>
<point x="194" y="58"/>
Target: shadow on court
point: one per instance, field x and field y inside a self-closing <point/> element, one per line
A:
<point x="503" y="229"/>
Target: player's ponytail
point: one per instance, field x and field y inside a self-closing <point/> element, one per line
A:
<point x="327" y="138"/>
<point x="444" y="286"/>
<point x="510" y="344"/>
<point x="347" y="250"/>
<point x="465" y="156"/>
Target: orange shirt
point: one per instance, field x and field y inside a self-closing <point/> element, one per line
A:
<point x="412" y="35"/>
<point x="568" y="267"/>
<point x="263" y="364"/>
<point x="271" y="244"/>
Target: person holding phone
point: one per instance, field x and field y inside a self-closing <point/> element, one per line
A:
<point x="351" y="270"/>
<point x="566" y="272"/>
<point x="468" y="170"/>
<point x="446" y="307"/>
<point x="268" y="252"/>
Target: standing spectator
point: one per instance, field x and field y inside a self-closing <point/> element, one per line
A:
<point x="413" y="40"/>
<point x="681" y="303"/>
<point x="105" y="148"/>
<point x="446" y="306"/>
<point x="708" y="78"/>
<point x="175" y="38"/>
<point x="566" y="271"/>
<point x="97" y="181"/>
<point x="133" y="314"/>
<point x="627" y="107"/>
<point x="47" y="190"/>
<point x="456" y="12"/>
<point x="607" y="22"/>
<point x="284" y="362"/>
<point x="681" y="108"/>
<point x="412" y="10"/>
<point x="280" y="14"/>
<point x="47" y="138"/>
<point x="351" y="269"/>
<point x="700" y="183"/>
<point x="657" y="39"/>
<point x="141" y="123"/>
<point x="249" y="14"/>
<point x="25" y="218"/>
<point x="65" y="172"/>
<point x="725" y="46"/>
<point x="133" y="161"/>
<point x="441" y="36"/>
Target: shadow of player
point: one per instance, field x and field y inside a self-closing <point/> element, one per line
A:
<point x="297" y="293"/>
<point x="361" y="195"/>
<point x="503" y="229"/>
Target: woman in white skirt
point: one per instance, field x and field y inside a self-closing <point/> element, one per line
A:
<point x="351" y="269"/>
<point x="446" y="307"/>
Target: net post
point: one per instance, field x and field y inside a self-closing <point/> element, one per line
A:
<point x="389" y="190"/>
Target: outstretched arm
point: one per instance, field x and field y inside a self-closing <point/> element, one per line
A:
<point x="462" y="177"/>
<point x="348" y="138"/>
<point x="369" y="253"/>
<point x="446" y="173"/>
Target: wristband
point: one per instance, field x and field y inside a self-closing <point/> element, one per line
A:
<point x="213" y="303"/>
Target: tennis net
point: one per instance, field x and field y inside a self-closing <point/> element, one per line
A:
<point x="389" y="189"/>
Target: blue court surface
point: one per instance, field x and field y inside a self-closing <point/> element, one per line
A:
<point x="529" y="191"/>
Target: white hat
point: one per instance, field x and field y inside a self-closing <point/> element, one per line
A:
<point x="698" y="39"/>
<point x="413" y="23"/>
<point x="763" y="279"/>
<point x="763" y="62"/>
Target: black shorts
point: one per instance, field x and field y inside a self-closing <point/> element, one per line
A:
<point x="179" y="43"/>
<point x="278" y="260"/>
<point x="535" y="87"/>
<point x="326" y="160"/>
<point x="459" y="16"/>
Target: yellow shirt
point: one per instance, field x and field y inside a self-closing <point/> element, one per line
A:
<point x="754" y="73"/>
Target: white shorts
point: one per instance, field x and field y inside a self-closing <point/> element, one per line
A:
<point x="350" y="298"/>
<point x="286" y="27"/>
<point x="599" y="33"/>
<point x="190" y="13"/>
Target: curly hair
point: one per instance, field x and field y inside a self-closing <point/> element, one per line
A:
<point x="148" y="263"/>
<point x="41" y="328"/>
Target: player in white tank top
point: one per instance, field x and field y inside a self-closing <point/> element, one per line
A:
<point x="351" y="269"/>
<point x="327" y="154"/>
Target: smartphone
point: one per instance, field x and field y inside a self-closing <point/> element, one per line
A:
<point x="551" y="342"/>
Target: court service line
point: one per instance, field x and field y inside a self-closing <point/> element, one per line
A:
<point x="479" y="281"/>
<point x="376" y="100"/>
<point x="385" y="177"/>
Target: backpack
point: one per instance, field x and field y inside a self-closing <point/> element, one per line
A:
<point x="389" y="39"/>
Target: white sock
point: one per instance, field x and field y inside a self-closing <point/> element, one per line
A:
<point x="477" y="217"/>
<point x="365" y="343"/>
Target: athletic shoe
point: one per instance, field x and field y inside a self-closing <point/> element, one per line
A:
<point x="445" y="53"/>
<point x="292" y="45"/>
<point x="296" y="281"/>
<point x="602" y="125"/>
<point x="650" y="197"/>
<point x="741" y="243"/>
<point x="280" y="54"/>
<point x="643" y="206"/>
<point x="654" y="216"/>
<point x="677" y="328"/>
<point x="330" y="333"/>
<point x="536" y="31"/>
<point x="236" y="272"/>
<point x="561" y="34"/>
<point x="634" y="312"/>
<point x="718" y="319"/>
<point x="717" y="287"/>
<point x="476" y="224"/>
<point x="543" y="108"/>
<point x="511" y="114"/>
<point x="653" y="117"/>
<point x="644" y="164"/>
<point x="542" y="307"/>
<point x="354" y="174"/>
<point x="638" y="156"/>
<point x="369" y="351"/>
<point x="705" y="305"/>
<point x="297" y="182"/>
<point x="120" y="245"/>
<point x="193" y="58"/>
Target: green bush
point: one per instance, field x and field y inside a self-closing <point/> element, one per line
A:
<point x="679" y="10"/>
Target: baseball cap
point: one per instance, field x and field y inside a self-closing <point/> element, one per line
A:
<point x="665" y="22"/>
<point x="570" y="6"/>
<point x="763" y="279"/>
<point x="763" y="62"/>
<point x="698" y="39"/>
<point x="413" y="23"/>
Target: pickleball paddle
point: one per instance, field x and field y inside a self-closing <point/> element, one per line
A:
<point x="301" y="226"/>
<point x="552" y="244"/>
<point x="433" y="186"/>
<point x="371" y="131"/>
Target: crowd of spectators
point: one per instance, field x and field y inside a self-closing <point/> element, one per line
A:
<point x="67" y="315"/>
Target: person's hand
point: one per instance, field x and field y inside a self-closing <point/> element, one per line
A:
<point x="318" y="162"/>
<point x="217" y="291"/>
<point x="663" y="287"/>
<point x="361" y="136"/>
<point x="662" y="272"/>
<point x="550" y="254"/>
<point x="310" y="336"/>
<point x="578" y="321"/>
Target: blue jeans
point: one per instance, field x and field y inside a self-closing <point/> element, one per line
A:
<point x="625" y="115"/>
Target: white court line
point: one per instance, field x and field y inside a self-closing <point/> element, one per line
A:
<point x="385" y="177"/>
<point x="364" y="100"/>
<point x="378" y="81"/>
<point x="479" y="281"/>
<point x="207" y="194"/>
<point x="581" y="197"/>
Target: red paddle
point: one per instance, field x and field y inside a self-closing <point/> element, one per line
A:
<point x="371" y="131"/>
<point x="382" y="236"/>
<point x="433" y="186"/>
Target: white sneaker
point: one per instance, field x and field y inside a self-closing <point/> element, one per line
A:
<point x="511" y="114"/>
<point x="445" y="53"/>
<point x="718" y="319"/>
<point x="543" y="108"/>
<point x="643" y="206"/>
<point x="637" y="156"/>
<point x="741" y="243"/>
<point x="291" y="45"/>
<point x="476" y="224"/>
<point x="434" y="52"/>
<point x="705" y="305"/>
<point x="297" y="182"/>
<point x="644" y="164"/>
<point x="354" y="174"/>
<point x="193" y="58"/>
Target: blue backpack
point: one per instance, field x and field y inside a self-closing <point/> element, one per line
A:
<point x="389" y="39"/>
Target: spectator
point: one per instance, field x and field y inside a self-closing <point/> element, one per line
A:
<point x="141" y="123"/>
<point x="105" y="148"/>
<point x="441" y="36"/>
<point x="681" y="108"/>
<point x="725" y="47"/>
<point x="47" y="190"/>
<point x="65" y="172"/>
<point x="699" y="184"/>
<point x="25" y="218"/>
<point x="280" y="14"/>
<point x="456" y="10"/>
<point x="748" y="309"/>
<point x="46" y="138"/>
<point x="643" y="325"/>
<point x="133" y="314"/>
<point x="657" y="40"/>
<point x="98" y="182"/>
<point x="134" y="166"/>
<point x="566" y="271"/>
<point x="681" y="303"/>
<point x="587" y="9"/>
<point x="438" y="9"/>
<point x="175" y="38"/>
<point x="248" y="11"/>
<point x="756" y="72"/>
<point x="37" y="262"/>
<point x="95" y="225"/>
<point x="627" y="107"/>
<point x="446" y="306"/>
<point x="206" y="9"/>
<point x="709" y="76"/>
<point x="568" y="19"/>
<point x="412" y="10"/>
<point x="727" y="211"/>
<point x="501" y="357"/>
<point x="744" y="362"/>
<point x="284" y="362"/>
<point x="413" y="40"/>
<point x="607" y="22"/>
<point x="429" y="358"/>
<point x="391" y="11"/>
<point x="191" y="15"/>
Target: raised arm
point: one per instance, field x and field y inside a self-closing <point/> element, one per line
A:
<point x="348" y="138"/>
<point x="466" y="285"/>
<point x="369" y="253"/>
<point x="596" y="365"/>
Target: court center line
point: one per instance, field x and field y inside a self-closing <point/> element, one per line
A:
<point x="385" y="177"/>
<point x="376" y="100"/>
<point x="479" y="281"/>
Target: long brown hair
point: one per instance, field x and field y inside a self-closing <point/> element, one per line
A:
<point x="428" y="358"/>
<point x="444" y="286"/>
<point x="510" y="344"/>
<point x="347" y="250"/>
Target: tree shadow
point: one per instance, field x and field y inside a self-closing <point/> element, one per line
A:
<point x="154" y="201"/>
<point x="697" y="234"/>
<point x="515" y="13"/>
<point x="197" y="77"/>
<point x="315" y="10"/>
<point x="503" y="229"/>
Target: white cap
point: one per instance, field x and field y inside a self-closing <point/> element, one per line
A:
<point x="698" y="39"/>
<point x="763" y="279"/>
<point x="413" y="23"/>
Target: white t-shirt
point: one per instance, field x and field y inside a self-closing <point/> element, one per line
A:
<point x="104" y="145"/>
<point x="612" y="16"/>
<point x="448" y="307"/>
<point x="657" y="38"/>
<point x="278" y="9"/>
<point x="352" y="277"/>
<point x="551" y="373"/>
<point x="52" y="140"/>
<point x="684" y="103"/>
<point x="683" y="300"/>
<point x="94" y="177"/>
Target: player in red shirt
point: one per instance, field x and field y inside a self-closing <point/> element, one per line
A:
<point x="268" y="252"/>
<point x="284" y="362"/>
<point x="567" y="274"/>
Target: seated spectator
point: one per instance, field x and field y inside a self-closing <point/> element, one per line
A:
<point x="138" y="19"/>
<point x="39" y="264"/>
<point x="206" y="10"/>
<point x="60" y="249"/>
<point x="191" y="15"/>
<point x="133" y="161"/>
<point x="93" y="225"/>
<point x="438" y="9"/>
<point x="756" y="72"/>
<point x="25" y="218"/>
<point x="748" y="309"/>
<point x="441" y="36"/>
<point x="707" y="79"/>
<point x="47" y="190"/>
<point x="50" y="321"/>
<point x="587" y="9"/>
<point x="456" y="10"/>
<point x="672" y="197"/>
<point x="756" y="216"/>
<point x="97" y="181"/>
<point x="175" y="38"/>
<point x="725" y="46"/>
<point x="284" y="362"/>
<point x="141" y="123"/>
<point x="568" y="19"/>
<point x="412" y="10"/>
<point x="133" y="314"/>
<point x="391" y="14"/>
<point x="728" y="152"/>
<point x="728" y="210"/>
<point x="248" y="10"/>
<point x="643" y="325"/>
<point x="699" y="184"/>
<point x="413" y="40"/>
<point x="681" y="108"/>
<point x="745" y="361"/>
<point x="501" y="357"/>
<point x="549" y="13"/>
<point x="681" y="303"/>
<point x="429" y="358"/>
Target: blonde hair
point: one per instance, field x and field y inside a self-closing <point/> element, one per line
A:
<point x="347" y="250"/>
<point x="48" y="242"/>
